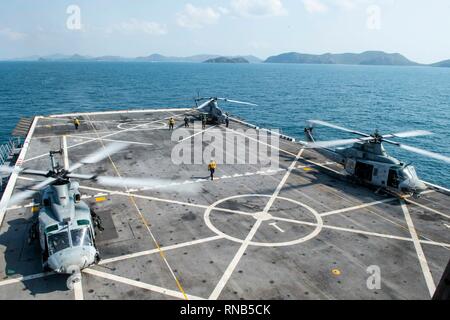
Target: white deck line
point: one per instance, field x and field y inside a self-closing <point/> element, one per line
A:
<point x="153" y="251"/>
<point x="361" y="206"/>
<point x="357" y="231"/>
<point x="427" y="208"/>
<point x="117" y="112"/>
<point x="232" y="266"/>
<point x="195" y="134"/>
<point x="66" y="153"/>
<point x="138" y="284"/>
<point x="25" y="278"/>
<point x="422" y="259"/>
<point x="78" y="290"/>
<point x="13" y="178"/>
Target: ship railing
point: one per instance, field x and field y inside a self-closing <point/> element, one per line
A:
<point x="8" y="153"/>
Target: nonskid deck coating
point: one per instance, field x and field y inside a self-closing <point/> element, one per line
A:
<point x="318" y="237"/>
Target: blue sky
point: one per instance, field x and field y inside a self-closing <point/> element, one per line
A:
<point x="416" y="28"/>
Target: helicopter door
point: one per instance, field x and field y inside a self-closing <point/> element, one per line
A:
<point x="393" y="180"/>
<point x="364" y="171"/>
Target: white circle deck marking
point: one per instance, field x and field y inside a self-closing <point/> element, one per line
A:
<point x="265" y="217"/>
<point x="144" y="127"/>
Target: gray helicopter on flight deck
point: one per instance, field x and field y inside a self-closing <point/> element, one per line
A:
<point x="210" y="108"/>
<point x="65" y="225"/>
<point x="368" y="162"/>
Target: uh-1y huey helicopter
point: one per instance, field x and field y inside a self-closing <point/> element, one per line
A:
<point x="368" y="162"/>
<point x="210" y="108"/>
<point x="66" y="225"/>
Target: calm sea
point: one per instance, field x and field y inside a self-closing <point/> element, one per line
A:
<point x="365" y="98"/>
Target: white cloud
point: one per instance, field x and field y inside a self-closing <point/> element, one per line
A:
<point x="259" y="7"/>
<point x="11" y="34"/>
<point x="315" y="6"/>
<point x="139" y="26"/>
<point x="193" y="17"/>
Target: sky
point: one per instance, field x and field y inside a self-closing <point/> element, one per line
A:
<point x="417" y="29"/>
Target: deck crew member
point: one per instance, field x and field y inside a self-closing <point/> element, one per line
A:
<point x="76" y="123"/>
<point x="186" y="122"/>
<point x="212" y="168"/>
<point x="227" y="120"/>
<point x="203" y="122"/>
<point x="171" y="123"/>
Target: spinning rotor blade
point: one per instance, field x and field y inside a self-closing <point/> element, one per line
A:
<point x="19" y="197"/>
<point x="335" y="143"/>
<point x="35" y="172"/>
<point x="326" y="124"/>
<point x="146" y="183"/>
<point x="99" y="155"/>
<point x="8" y="169"/>
<point x="420" y="151"/>
<point x="238" y="102"/>
<point x="406" y="134"/>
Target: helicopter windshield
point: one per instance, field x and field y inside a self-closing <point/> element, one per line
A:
<point x="81" y="237"/>
<point x="57" y="242"/>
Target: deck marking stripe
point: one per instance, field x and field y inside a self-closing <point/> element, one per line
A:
<point x="226" y="276"/>
<point x="78" y="290"/>
<point x="113" y="140"/>
<point x="26" y="278"/>
<point x="130" y="194"/>
<point x="139" y="284"/>
<point x="66" y="153"/>
<point x="167" y="248"/>
<point x="232" y="266"/>
<point x="364" y="205"/>
<point x="380" y="235"/>
<point x="145" y="222"/>
<point x="195" y="134"/>
<point x="427" y="208"/>
<point x="422" y="259"/>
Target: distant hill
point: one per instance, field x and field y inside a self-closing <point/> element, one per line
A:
<point x="227" y="60"/>
<point x="365" y="58"/>
<point x="151" y="58"/>
<point x="444" y="64"/>
<point x="196" y="58"/>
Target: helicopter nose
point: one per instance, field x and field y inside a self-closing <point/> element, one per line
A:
<point x="72" y="259"/>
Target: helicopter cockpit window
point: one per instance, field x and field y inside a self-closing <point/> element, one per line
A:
<point x="81" y="237"/>
<point x="57" y="242"/>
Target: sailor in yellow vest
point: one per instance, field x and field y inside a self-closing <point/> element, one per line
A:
<point x="76" y="123"/>
<point x="171" y="123"/>
<point x="212" y="166"/>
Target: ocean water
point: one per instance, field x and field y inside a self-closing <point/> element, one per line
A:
<point x="364" y="98"/>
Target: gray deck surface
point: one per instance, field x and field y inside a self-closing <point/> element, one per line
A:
<point x="327" y="231"/>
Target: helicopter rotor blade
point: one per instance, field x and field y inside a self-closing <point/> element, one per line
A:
<point x="99" y="155"/>
<point x="19" y="197"/>
<point x="149" y="183"/>
<point x="205" y="104"/>
<point x="407" y="134"/>
<point x="238" y="102"/>
<point x="423" y="152"/>
<point x="35" y="172"/>
<point x="330" y="125"/>
<point x="8" y="169"/>
<point x="335" y="143"/>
